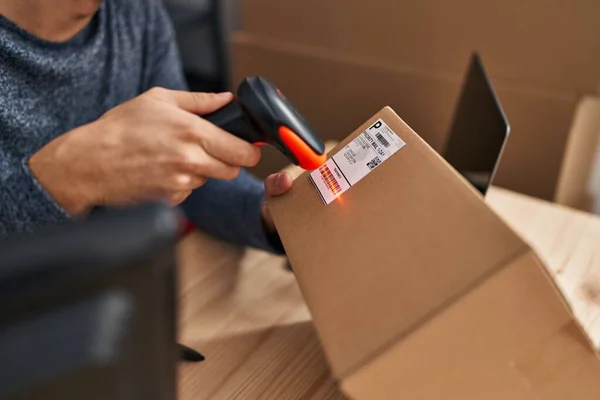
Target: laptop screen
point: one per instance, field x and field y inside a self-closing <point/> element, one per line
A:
<point x="479" y="130"/>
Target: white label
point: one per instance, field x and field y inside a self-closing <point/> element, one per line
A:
<point x="348" y="166"/>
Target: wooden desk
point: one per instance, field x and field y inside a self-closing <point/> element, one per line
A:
<point x="244" y="311"/>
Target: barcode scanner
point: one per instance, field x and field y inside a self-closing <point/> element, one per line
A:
<point x="261" y="114"/>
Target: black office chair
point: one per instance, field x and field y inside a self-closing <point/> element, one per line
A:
<point x="203" y="19"/>
<point x="88" y="310"/>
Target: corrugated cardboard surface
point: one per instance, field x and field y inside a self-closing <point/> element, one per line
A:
<point x="394" y="245"/>
<point x="483" y="346"/>
<point x="418" y="290"/>
<point x="336" y="95"/>
<point x="536" y="43"/>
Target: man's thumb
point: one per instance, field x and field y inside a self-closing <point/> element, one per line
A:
<point x="201" y="103"/>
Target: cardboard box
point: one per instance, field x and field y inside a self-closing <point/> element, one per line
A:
<point x="336" y="94"/>
<point x="579" y="180"/>
<point x="418" y="290"/>
<point x="536" y="44"/>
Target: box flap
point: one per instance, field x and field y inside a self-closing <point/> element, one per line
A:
<point x="566" y="241"/>
<point x="512" y="335"/>
<point x="396" y="248"/>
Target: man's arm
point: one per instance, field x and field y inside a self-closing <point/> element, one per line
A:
<point x="24" y="204"/>
<point x="230" y="210"/>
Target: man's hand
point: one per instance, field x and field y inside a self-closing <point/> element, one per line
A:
<point x="154" y="147"/>
<point x="275" y="185"/>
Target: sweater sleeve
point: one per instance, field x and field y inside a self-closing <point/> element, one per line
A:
<point x="229" y="210"/>
<point x="24" y="203"/>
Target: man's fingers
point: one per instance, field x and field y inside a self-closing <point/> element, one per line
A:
<point x="278" y="184"/>
<point x="181" y="182"/>
<point x="224" y="146"/>
<point x="195" y="160"/>
<point x="217" y="142"/>
<point x="275" y="185"/>
<point x="178" y="198"/>
<point x="200" y="103"/>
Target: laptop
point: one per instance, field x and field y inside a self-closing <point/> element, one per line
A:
<point x="479" y="130"/>
<point x="88" y="310"/>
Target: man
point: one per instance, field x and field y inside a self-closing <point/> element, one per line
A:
<point x="94" y="113"/>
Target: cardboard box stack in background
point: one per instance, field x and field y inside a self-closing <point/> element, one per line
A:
<point x="339" y="61"/>
<point x="579" y="180"/>
<point x="418" y="290"/>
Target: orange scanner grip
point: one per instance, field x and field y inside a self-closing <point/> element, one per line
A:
<point x="307" y="158"/>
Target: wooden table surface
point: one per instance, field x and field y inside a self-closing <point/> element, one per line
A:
<point x="244" y="310"/>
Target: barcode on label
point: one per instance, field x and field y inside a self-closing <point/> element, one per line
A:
<point x="373" y="163"/>
<point x="330" y="180"/>
<point x="382" y="140"/>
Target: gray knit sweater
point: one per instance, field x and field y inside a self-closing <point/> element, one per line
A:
<point x="48" y="88"/>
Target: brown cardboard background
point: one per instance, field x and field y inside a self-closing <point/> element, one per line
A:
<point x="376" y="259"/>
<point x="535" y="43"/>
<point x="576" y="186"/>
<point x="336" y="95"/>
